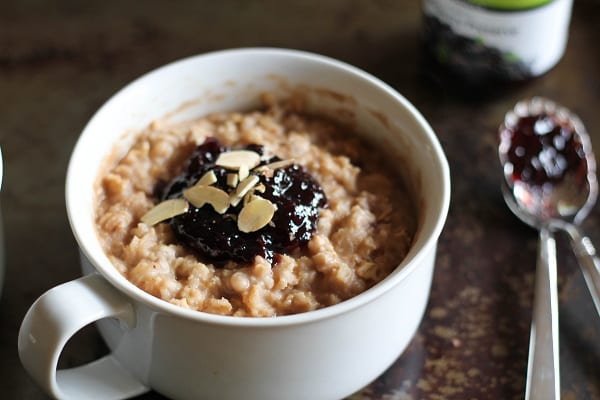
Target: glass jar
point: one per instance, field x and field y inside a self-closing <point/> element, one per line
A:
<point x="483" y="41"/>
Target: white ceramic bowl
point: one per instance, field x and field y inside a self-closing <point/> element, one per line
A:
<point x="323" y="354"/>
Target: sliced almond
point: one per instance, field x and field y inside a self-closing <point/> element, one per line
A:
<point x="276" y="165"/>
<point x="242" y="188"/>
<point x="165" y="210"/>
<point x="207" y="179"/>
<point x="232" y="180"/>
<point x="255" y="214"/>
<point x="235" y="159"/>
<point x="199" y="195"/>
<point x="243" y="172"/>
<point x="250" y="196"/>
<point x="266" y="172"/>
<point x="234" y="200"/>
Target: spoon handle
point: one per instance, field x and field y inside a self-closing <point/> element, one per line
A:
<point x="543" y="376"/>
<point x="588" y="261"/>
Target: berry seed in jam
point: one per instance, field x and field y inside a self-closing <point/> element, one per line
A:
<point x="541" y="149"/>
<point x="282" y="186"/>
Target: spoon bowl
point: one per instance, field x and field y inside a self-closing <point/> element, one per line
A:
<point x="559" y="204"/>
<point x="569" y="198"/>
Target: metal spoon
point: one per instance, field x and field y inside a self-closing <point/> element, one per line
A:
<point x="547" y="208"/>
<point x="543" y="379"/>
<point x="566" y="205"/>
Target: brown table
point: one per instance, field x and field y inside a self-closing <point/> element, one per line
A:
<point x="59" y="61"/>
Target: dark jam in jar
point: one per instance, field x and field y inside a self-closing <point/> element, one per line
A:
<point x="295" y="194"/>
<point x="484" y="48"/>
<point x="469" y="59"/>
<point x="542" y="149"/>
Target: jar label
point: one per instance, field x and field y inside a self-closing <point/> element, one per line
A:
<point x="512" y="45"/>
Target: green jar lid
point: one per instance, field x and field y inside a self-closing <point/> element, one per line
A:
<point x="510" y="4"/>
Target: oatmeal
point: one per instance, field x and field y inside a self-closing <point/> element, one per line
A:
<point x="363" y="222"/>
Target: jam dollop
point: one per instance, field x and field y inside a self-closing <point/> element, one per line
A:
<point x="295" y="194"/>
<point x="542" y="149"/>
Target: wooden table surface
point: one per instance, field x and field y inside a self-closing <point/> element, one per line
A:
<point x="59" y="61"/>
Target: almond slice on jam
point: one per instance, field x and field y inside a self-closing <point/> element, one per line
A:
<point x="207" y="179"/>
<point x="276" y="165"/>
<point x="199" y="195"/>
<point x="165" y="210"/>
<point x="243" y="172"/>
<point x="235" y="159"/>
<point x="232" y="180"/>
<point x="242" y="188"/>
<point x="257" y="213"/>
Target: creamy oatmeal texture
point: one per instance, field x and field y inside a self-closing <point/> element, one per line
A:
<point x="362" y="235"/>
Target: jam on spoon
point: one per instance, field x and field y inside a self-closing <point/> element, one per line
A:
<point x="541" y="149"/>
<point x="243" y="203"/>
<point x="543" y="152"/>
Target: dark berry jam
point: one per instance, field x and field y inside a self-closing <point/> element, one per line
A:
<point x="294" y="192"/>
<point x="542" y="150"/>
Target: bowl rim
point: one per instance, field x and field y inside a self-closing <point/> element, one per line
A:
<point x="404" y="269"/>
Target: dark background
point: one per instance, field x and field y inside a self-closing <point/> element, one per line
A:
<point x="59" y="61"/>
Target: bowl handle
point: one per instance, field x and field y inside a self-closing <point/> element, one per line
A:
<point x="54" y="318"/>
